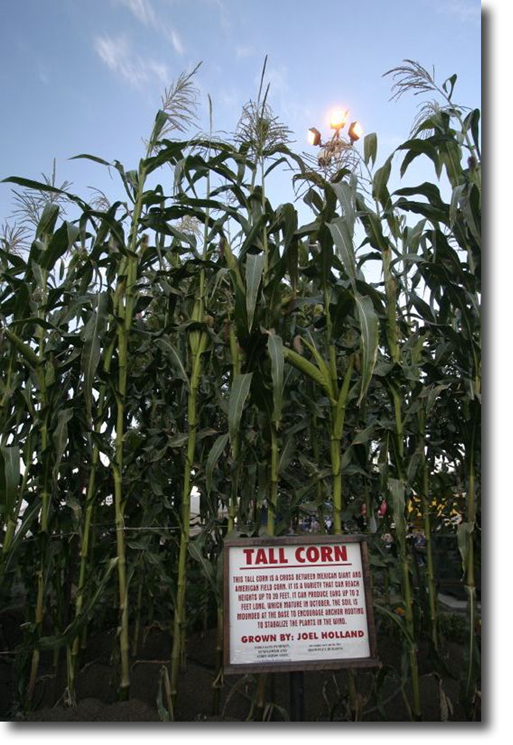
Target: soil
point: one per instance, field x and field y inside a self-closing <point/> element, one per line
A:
<point x="325" y="692"/>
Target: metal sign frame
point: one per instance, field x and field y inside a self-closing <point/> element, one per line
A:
<point x="231" y="667"/>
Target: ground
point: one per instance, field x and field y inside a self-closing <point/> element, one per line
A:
<point x="325" y="696"/>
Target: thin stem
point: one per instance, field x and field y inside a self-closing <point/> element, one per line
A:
<point x="430" y="574"/>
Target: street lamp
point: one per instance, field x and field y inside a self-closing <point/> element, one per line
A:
<point x="338" y="119"/>
<point x="336" y="144"/>
<point x="314" y="136"/>
<point x="355" y="131"/>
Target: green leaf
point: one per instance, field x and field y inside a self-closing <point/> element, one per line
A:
<point x="60" y="437"/>
<point x="160" y="122"/>
<point x="419" y="147"/>
<point x="94" y="158"/>
<point x="275" y="349"/>
<point x="398" y="620"/>
<point x="308" y="368"/>
<point x="449" y="84"/>
<point x="62" y="240"/>
<point x="47" y="221"/>
<point x="196" y="551"/>
<point x="435" y="214"/>
<point x="24" y="349"/>
<point x="365" y="435"/>
<point x="472" y="215"/>
<point x="396" y="491"/>
<point x="231" y="262"/>
<point x="369" y="340"/>
<point x="215" y="453"/>
<point x="238" y="395"/>
<point x="465" y="531"/>
<point x="323" y="366"/>
<point x="163" y="708"/>
<point x="74" y="628"/>
<point x="433" y="394"/>
<point x="288" y="216"/>
<point x="422" y="308"/>
<point x="370" y="148"/>
<point x="9" y="478"/>
<point x="472" y="122"/>
<point x="430" y="191"/>
<point x="176" y="441"/>
<point x="254" y="268"/>
<point x="286" y="454"/>
<point x="340" y="409"/>
<point x="380" y="181"/>
<point x="372" y="225"/>
<point x="343" y="240"/>
<point x="39" y="186"/>
<point x="30" y="516"/>
<point x="164" y="343"/>
<point x="91" y="350"/>
<point x="345" y="194"/>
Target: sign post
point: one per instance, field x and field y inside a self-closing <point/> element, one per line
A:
<point x="297" y="603"/>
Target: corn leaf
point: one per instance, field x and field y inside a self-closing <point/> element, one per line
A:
<point x="306" y="367"/>
<point x="369" y="340"/>
<point x="343" y="240"/>
<point x="60" y="437"/>
<point x="215" y="453"/>
<point x="164" y="343"/>
<point x="61" y="241"/>
<point x="396" y="490"/>
<point x="254" y="268"/>
<point x="275" y="349"/>
<point x="196" y="551"/>
<point x="91" y="351"/>
<point x="9" y="478"/>
<point x="370" y="148"/>
<point x="74" y="628"/>
<point x="24" y="349"/>
<point x="346" y="196"/>
<point x="238" y="395"/>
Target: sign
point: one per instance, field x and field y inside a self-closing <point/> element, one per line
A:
<point x="297" y="603"/>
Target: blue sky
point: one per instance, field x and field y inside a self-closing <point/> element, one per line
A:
<point x="87" y="75"/>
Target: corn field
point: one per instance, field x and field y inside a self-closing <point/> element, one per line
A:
<point x="192" y="362"/>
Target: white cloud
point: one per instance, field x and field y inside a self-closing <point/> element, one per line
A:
<point x="142" y="10"/>
<point x="116" y="53"/>
<point x="145" y="13"/>
<point x="278" y="78"/>
<point x="467" y="11"/>
<point x="42" y="73"/>
<point x="175" y="40"/>
<point x="243" y="51"/>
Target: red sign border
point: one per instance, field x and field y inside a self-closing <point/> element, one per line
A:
<point x="297" y="540"/>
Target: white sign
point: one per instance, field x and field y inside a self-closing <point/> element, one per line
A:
<point x="296" y="602"/>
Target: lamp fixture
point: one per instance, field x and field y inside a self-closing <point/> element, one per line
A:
<point x="333" y="148"/>
<point x="338" y="119"/>
<point x="355" y="131"/>
<point x="314" y="136"/>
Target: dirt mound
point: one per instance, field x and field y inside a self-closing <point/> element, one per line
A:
<point x="94" y="710"/>
<point x="326" y="692"/>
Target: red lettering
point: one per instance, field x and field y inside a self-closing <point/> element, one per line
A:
<point x="340" y="553"/>
<point x="261" y="558"/>
<point x="326" y="553"/>
<point x="312" y="553"/>
<point x="249" y="553"/>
